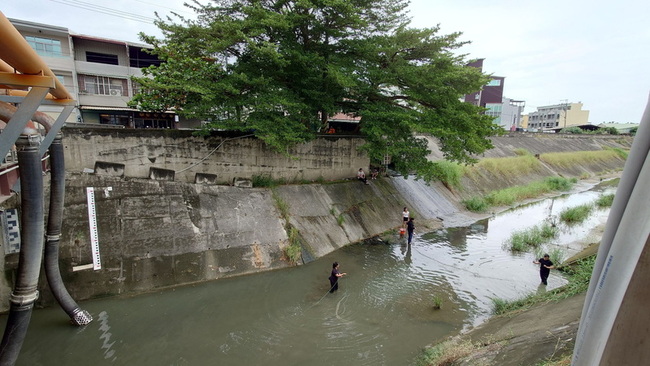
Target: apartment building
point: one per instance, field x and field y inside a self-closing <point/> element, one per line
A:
<point x="492" y="93"/>
<point x="506" y="112"/>
<point x="54" y="46"/>
<point x="556" y="116"/>
<point x="97" y="72"/>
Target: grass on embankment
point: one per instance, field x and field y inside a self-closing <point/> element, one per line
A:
<point x="451" y="174"/>
<point x="293" y="251"/>
<point x="567" y="159"/>
<point x="508" y="196"/>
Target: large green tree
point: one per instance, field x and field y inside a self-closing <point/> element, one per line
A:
<point x="279" y="68"/>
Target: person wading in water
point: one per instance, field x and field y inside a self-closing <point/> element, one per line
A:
<point x="334" y="277"/>
<point x="545" y="266"/>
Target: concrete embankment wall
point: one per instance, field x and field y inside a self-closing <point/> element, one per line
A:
<point x="156" y="234"/>
<point x="483" y="181"/>
<point x="224" y="156"/>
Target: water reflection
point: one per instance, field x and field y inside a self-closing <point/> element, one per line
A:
<point x="382" y="314"/>
<point x="106" y="336"/>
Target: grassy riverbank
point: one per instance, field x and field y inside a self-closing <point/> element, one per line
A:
<point x="538" y="329"/>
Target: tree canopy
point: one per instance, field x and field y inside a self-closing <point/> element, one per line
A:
<point x="280" y="68"/>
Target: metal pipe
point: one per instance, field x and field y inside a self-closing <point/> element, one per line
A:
<point x="7" y="111"/>
<point x="54" y="223"/>
<point x="55" y="218"/>
<point x="16" y="52"/>
<point x="25" y="290"/>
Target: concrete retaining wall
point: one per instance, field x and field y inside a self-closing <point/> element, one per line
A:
<point x="155" y="234"/>
<point x="226" y="157"/>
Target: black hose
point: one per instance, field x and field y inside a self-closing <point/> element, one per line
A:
<point x="25" y="290"/>
<point x="54" y="222"/>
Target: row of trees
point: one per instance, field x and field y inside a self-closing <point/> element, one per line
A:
<point x="280" y="68"/>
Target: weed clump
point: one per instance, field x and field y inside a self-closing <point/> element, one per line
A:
<point x="605" y="200"/>
<point x="522" y="241"/>
<point x="576" y="214"/>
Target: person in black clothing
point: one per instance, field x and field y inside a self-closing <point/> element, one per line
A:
<point x="545" y="266"/>
<point x="410" y="227"/>
<point x="334" y="277"/>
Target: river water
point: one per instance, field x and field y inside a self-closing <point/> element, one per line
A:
<point x="382" y="313"/>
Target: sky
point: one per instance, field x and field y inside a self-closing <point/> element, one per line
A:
<point x="592" y="51"/>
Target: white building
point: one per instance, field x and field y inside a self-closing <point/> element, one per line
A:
<point x="507" y="114"/>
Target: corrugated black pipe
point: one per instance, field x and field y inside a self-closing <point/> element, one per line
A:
<point x="54" y="222"/>
<point x="31" y="252"/>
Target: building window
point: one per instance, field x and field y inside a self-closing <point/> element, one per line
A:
<point x="494" y="109"/>
<point x="103" y="85"/>
<point x="141" y="58"/>
<point x="101" y="58"/>
<point x="137" y="88"/>
<point x="114" y="119"/>
<point x="45" y="47"/>
<point x="494" y="82"/>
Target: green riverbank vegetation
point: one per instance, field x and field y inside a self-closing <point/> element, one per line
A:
<point x="508" y="196"/>
<point x="293" y="251"/>
<point x="566" y="159"/>
<point x="451" y="174"/>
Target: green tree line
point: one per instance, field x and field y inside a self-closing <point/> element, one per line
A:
<point x="280" y="68"/>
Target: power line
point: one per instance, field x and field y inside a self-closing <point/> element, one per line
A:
<point x="105" y="10"/>
<point x="166" y="7"/>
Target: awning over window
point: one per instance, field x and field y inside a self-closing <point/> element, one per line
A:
<point x="105" y="108"/>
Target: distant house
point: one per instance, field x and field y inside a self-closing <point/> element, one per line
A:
<point x="343" y="122"/>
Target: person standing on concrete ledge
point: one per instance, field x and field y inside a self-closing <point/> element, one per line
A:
<point x="405" y="217"/>
<point x="545" y="266"/>
<point x="334" y="277"/>
<point x="361" y="175"/>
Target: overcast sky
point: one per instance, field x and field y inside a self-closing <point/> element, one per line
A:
<point x="591" y="51"/>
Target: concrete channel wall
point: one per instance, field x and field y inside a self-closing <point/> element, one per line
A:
<point x="155" y="234"/>
<point x="224" y="156"/>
